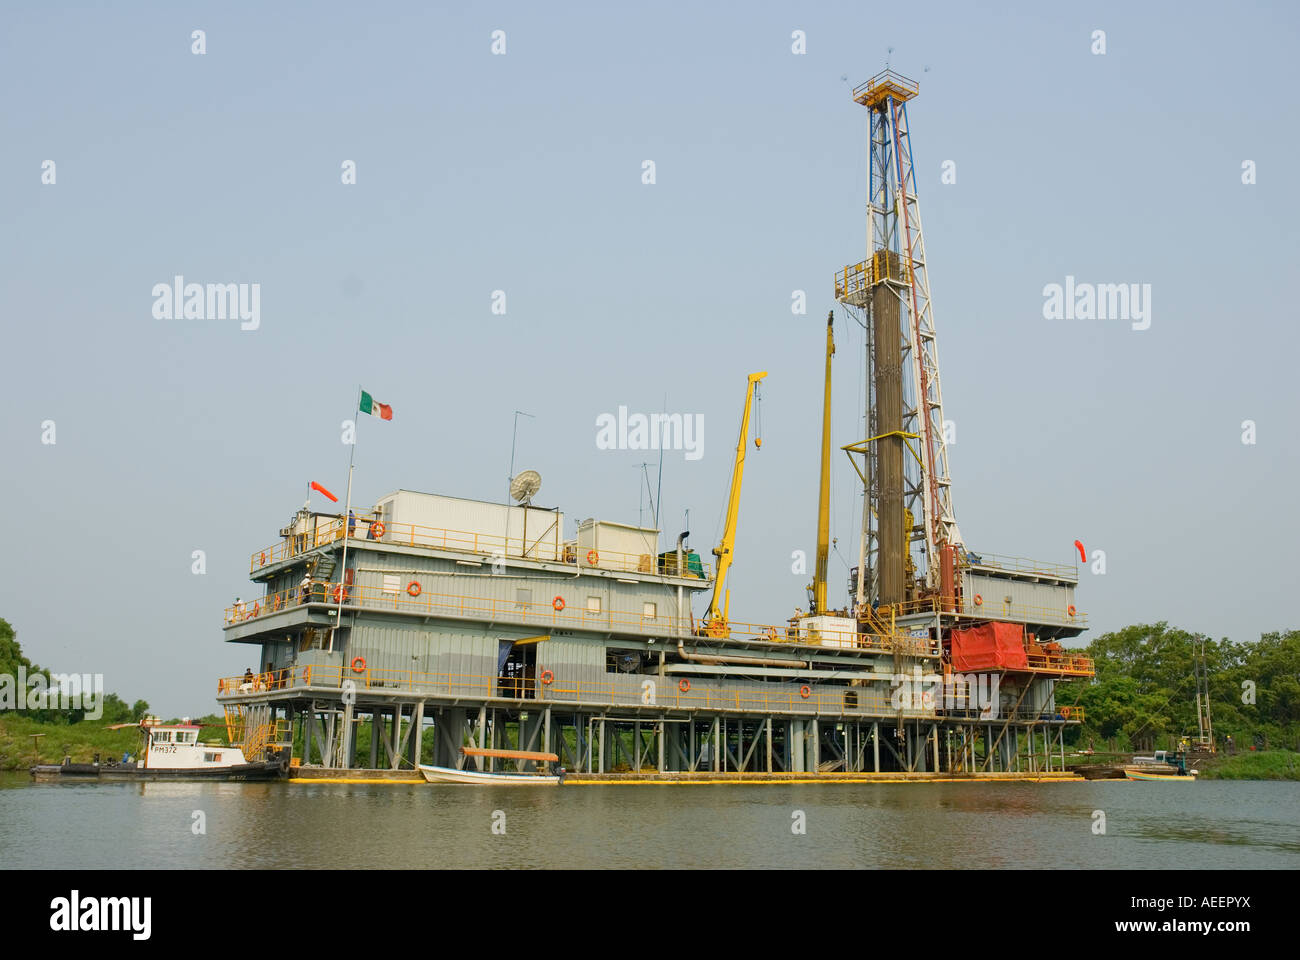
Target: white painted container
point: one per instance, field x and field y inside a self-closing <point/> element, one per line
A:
<point x="617" y="546"/>
<point x="828" y="631"/>
<point x="475" y="526"/>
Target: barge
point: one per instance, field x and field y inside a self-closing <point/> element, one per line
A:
<point x="432" y="622"/>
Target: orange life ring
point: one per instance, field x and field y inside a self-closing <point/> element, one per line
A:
<point x="257" y="610"/>
<point x="413" y="588"/>
<point x="377" y="528"/>
<point x="338" y="593"/>
<point x="278" y="600"/>
<point x="1070" y="609"/>
<point x="358" y="664"/>
<point x="306" y="676"/>
<point x="805" y="691"/>
<point x="262" y="562"/>
<point x="558" y="604"/>
<point x="593" y="558"/>
<point x="221" y="686"/>
<point x="683" y="684"/>
<point x="547" y="676"/>
<point x="979" y="601"/>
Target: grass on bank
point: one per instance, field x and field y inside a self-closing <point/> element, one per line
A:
<point x="1259" y="765"/>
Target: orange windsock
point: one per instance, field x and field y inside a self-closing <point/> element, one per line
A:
<point x="317" y="486"/>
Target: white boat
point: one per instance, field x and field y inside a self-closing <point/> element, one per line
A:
<point x="452" y="775"/>
<point x="459" y="775"/>
<point x="171" y="751"/>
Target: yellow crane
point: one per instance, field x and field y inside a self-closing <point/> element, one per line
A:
<point x="715" y="621"/>
<point x="818" y="603"/>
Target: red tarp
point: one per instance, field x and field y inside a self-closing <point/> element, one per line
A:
<point x="991" y="646"/>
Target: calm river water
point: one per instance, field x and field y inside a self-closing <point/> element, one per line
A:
<point x="1234" y="825"/>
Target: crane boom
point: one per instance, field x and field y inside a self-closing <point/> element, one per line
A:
<point x="716" y="619"/>
<point x="824" y="493"/>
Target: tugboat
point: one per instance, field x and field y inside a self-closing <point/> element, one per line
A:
<point x="171" y="751"/>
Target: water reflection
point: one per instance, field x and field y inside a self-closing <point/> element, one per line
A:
<point x="931" y="826"/>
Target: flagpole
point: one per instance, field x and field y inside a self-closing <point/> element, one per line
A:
<point x="347" y="516"/>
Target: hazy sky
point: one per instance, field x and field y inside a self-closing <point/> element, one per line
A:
<point x="522" y="172"/>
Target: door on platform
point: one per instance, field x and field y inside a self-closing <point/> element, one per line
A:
<point x="516" y="669"/>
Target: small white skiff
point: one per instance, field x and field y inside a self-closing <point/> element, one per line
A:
<point x="470" y="775"/>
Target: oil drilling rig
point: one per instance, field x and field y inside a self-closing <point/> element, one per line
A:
<point x="589" y="647"/>
<point x="909" y="538"/>
<point x="915" y="575"/>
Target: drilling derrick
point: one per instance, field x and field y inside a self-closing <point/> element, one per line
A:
<point x="1001" y="618"/>
<point x="907" y="516"/>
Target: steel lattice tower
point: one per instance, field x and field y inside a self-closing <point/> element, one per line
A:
<point x="907" y="516"/>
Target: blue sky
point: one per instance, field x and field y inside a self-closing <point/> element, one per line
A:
<point x="522" y="173"/>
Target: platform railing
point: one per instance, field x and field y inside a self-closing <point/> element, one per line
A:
<point x="549" y="686"/>
<point x="560" y="612"/>
<point x="857" y="278"/>
<point x="885" y="83"/>
<point x="1065" y="664"/>
<point x="1020" y="565"/>
<point x="372" y="529"/>
<point x="993" y="608"/>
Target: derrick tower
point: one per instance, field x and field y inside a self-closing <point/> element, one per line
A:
<point x="909" y="541"/>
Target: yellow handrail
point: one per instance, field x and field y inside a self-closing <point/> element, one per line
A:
<point x="546" y="613"/>
<point x="672" y="690"/>
<point x="992" y="608"/>
<point x="1019" y="565"/>
<point x="329" y="529"/>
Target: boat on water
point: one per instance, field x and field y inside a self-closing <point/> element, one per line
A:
<point x="435" y="774"/>
<point x="1132" y="774"/>
<point x="170" y="751"/>
<point x="1162" y="765"/>
<point x="453" y="775"/>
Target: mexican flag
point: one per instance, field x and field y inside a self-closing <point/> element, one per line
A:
<point x="381" y="410"/>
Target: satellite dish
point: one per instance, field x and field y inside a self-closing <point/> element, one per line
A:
<point x="525" y="486"/>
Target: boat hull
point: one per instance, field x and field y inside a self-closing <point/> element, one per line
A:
<point x="1138" y="775"/>
<point x="452" y="775"/>
<point x="127" y="773"/>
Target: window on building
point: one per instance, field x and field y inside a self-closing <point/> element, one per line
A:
<point x="593" y="604"/>
<point x="392" y="582"/>
<point x="523" y="599"/>
<point x="649" y="610"/>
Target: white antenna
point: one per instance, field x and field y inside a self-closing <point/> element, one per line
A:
<point x="525" y="486"/>
<point x="514" y="438"/>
